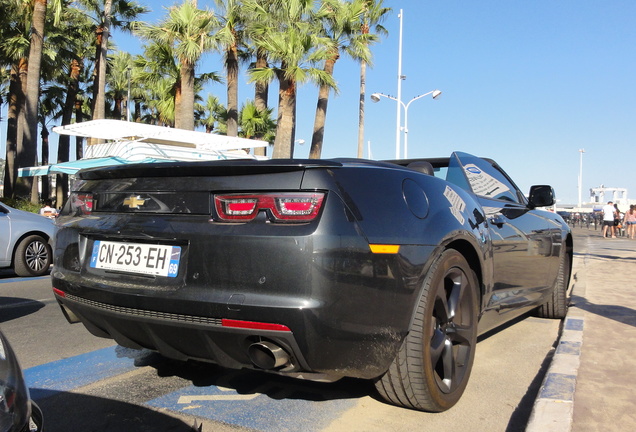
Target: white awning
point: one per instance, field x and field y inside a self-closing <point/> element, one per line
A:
<point x="117" y="130"/>
<point x="129" y="142"/>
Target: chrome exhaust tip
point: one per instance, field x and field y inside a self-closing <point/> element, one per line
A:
<point x="267" y="355"/>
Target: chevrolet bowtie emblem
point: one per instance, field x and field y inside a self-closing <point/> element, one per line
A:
<point x="134" y="202"/>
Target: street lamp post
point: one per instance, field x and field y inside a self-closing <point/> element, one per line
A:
<point x="375" y="97"/>
<point x="435" y="94"/>
<point x="400" y="77"/>
<point x="581" y="151"/>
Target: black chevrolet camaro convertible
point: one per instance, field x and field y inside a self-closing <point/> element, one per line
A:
<point x="317" y="269"/>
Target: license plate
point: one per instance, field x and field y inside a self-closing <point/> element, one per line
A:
<point x="150" y="259"/>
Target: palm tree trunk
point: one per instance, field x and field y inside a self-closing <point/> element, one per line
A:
<point x="99" y="89"/>
<point x="27" y="152"/>
<point x="64" y="142"/>
<point x="286" y="120"/>
<point x="79" y="141"/>
<point x="321" y="111"/>
<point x="185" y="112"/>
<point x="137" y="113"/>
<point x="261" y="89"/>
<point x="15" y="99"/>
<point x="178" y="97"/>
<point x="231" y="64"/>
<point x="99" y="31"/>
<point x="117" y="110"/>
<point x="261" y="92"/>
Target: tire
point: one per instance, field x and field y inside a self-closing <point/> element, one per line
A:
<point x="33" y="256"/>
<point x="557" y="306"/>
<point x="432" y="367"/>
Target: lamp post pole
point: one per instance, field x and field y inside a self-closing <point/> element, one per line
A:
<point x="375" y="97"/>
<point x="436" y="94"/>
<point x="581" y="151"/>
<point x="398" y="122"/>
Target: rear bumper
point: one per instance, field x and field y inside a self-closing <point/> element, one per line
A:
<point x="355" y="335"/>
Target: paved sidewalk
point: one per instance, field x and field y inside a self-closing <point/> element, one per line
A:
<point x="591" y="380"/>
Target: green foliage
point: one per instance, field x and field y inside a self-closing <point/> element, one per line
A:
<point x="293" y="39"/>
<point x="21" y="204"/>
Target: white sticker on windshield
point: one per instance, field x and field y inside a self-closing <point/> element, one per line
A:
<point x="457" y="204"/>
<point x="483" y="183"/>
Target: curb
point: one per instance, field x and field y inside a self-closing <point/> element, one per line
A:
<point x="554" y="407"/>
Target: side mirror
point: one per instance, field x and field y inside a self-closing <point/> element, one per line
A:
<point x="541" y="196"/>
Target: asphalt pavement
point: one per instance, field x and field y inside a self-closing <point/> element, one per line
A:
<point x="590" y="383"/>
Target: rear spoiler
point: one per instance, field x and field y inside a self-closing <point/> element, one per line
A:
<point x="205" y="168"/>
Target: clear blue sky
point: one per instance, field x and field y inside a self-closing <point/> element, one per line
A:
<point x="527" y="83"/>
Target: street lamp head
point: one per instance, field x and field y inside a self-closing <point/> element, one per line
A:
<point x="436" y="94"/>
<point x="375" y="97"/>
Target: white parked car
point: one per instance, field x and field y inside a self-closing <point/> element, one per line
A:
<point x="25" y="241"/>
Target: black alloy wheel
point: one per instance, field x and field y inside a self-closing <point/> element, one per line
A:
<point x="432" y="368"/>
<point x="557" y="305"/>
<point x="32" y="256"/>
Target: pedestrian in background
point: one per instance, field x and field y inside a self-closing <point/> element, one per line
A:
<point x="48" y="210"/>
<point x="608" y="219"/>
<point x="617" y="220"/>
<point x="630" y="221"/>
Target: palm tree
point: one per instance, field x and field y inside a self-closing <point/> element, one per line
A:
<point x="28" y="118"/>
<point x="212" y="114"/>
<point x="62" y="77"/>
<point x="120" y="68"/>
<point x="28" y="115"/>
<point x="15" y="43"/>
<point x="257" y="21"/>
<point x="99" y="85"/>
<point x="106" y="14"/>
<point x="254" y="27"/>
<point x="157" y="75"/>
<point x="373" y="15"/>
<point x="229" y="37"/>
<point x="158" y="69"/>
<point x="187" y="30"/>
<point x="341" y="25"/>
<point x="256" y="123"/>
<point x="295" y="45"/>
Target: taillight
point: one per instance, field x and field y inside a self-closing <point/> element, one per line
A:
<point x="282" y="207"/>
<point x="81" y="203"/>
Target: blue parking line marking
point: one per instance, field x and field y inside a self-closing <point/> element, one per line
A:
<point x="574" y="324"/>
<point x="255" y="410"/>
<point x="73" y="372"/>
<point x="558" y="386"/>
<point x="265" y="407"/>
<point x="23" y="279"/>
<point x="569" y="347"/>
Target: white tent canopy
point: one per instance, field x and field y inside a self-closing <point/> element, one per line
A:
<point x="117" y="130"/>
<point x="121" y="142"/>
